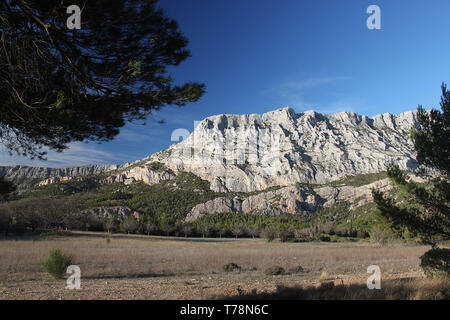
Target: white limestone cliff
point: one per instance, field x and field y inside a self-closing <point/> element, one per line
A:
<point x="245" y="153"/>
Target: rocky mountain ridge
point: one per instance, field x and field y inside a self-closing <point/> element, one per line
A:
<point x="246" y="153"/>
<point x="281" y="161"/>
<point x="27" y="177"/>
<point x="292" y="200"/>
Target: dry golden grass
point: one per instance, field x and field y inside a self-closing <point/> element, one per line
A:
<point x="397" y="289"/>
<point x="140" y="255"/>
<point x="177" y="268"/>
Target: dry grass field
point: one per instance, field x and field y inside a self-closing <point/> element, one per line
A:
<point x="141" y="267"/>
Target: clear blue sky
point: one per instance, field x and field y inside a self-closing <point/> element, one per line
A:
<point x="260" y="55"/>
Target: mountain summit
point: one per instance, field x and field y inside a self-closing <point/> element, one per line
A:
<point x="246" y="153"/>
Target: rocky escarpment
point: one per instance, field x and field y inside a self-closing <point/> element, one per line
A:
<point x="291" y="200"/>
<point x="146" y="173"/>
<point x="246" y="153"/>
<point x="18" y="174"/>
<point x="120" y="213"/>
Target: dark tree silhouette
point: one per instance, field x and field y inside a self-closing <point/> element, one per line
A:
<point x="6" y="187"/>
<point x="425" y="210"/>
<point x="432" y="141"/>
<point x="59" y="85"/>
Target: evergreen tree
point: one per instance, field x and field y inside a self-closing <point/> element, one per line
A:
<point x="59" y="85"/>
<point x="425" y="209"/>
<point x="6" y="187"/>
<point x="130" y="225"/>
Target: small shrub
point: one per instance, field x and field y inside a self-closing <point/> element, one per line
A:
<point x="230" y="267"/>
<point x="382" y="235"/>
<point x="274" y="271"/>
<point x="298" y="269"/>
<point x="108" y="240"/>
<point x="361" y="234"/>
<point x="325" y="238"/>
<point x="407" y="235"/>
<point x="57" y="262"/>
<point x="335" y="238"/>
<point x="436" y="262"/>
<point x="269" y="234"/>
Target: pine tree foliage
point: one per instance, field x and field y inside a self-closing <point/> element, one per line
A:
<point x="59" y="85"/>
<point x="425" y="207"/>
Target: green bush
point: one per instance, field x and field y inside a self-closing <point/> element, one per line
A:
<point x="325" y="238"/>
<point x="57" y="262"/>
<point x="230" y="267"/>
<point x="361" y="234"/>
<point x="436" y="262"/>
<point x="6" y="187"/>
<point x="274" y="271"/>
<point x="381" y="234"/>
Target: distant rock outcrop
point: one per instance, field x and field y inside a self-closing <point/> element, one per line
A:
<point x="141" y="173"/>
<point x="291" y="200"/>
<point x="121" y="213"/>
<point x="253" y="153"/>
<point x="18" y="174"/>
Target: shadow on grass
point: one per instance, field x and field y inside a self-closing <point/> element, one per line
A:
<point x="399" y="289"/>
<point x="102" y="235"/>
<point x="146" y="238"/>
<point x="129" y="276"/>
<point x="24" y="237"/>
